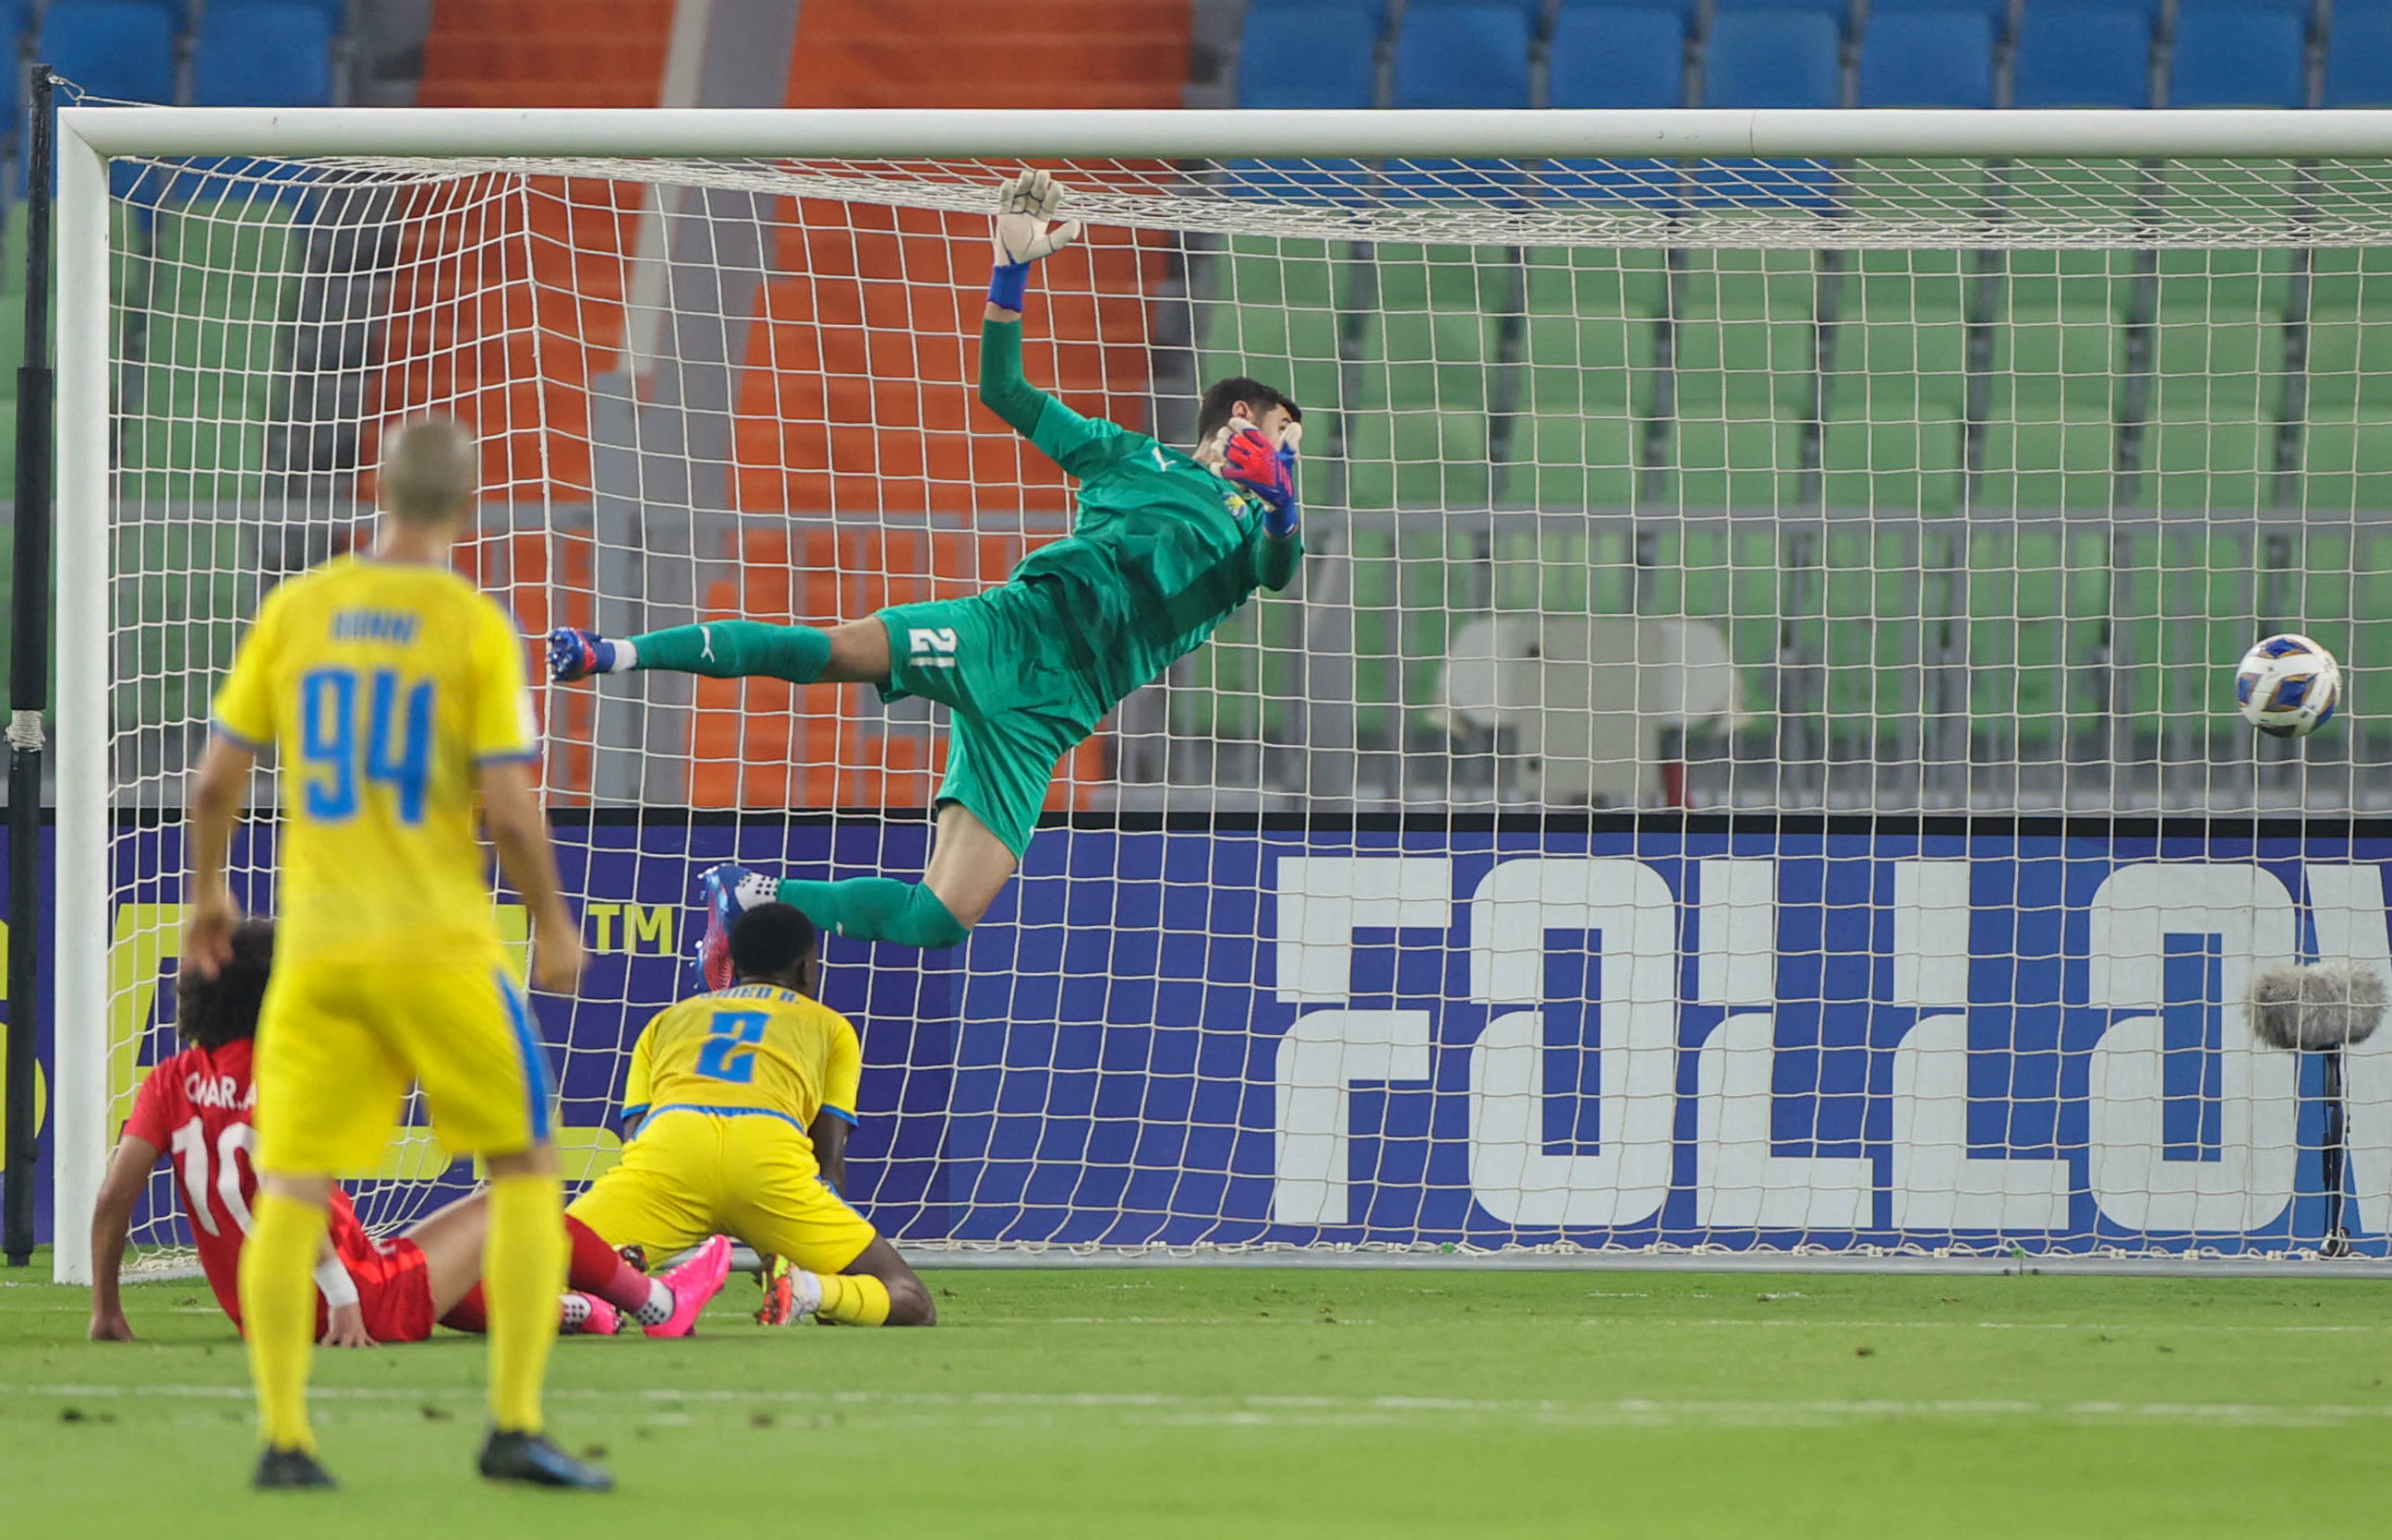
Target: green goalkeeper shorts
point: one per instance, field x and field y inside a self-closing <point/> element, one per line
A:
<point x="1013" y="668"/>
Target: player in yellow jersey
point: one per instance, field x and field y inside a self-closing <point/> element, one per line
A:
<point x="736" y="1120"/>
<point x="392" y="696"/>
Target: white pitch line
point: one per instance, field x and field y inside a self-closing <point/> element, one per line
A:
<point x="931" y="1406"/>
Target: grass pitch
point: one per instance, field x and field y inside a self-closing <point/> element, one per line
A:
<point x="1213" y="1403"/>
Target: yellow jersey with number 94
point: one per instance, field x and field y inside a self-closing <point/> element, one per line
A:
<point x="382" y="686"/>
<point x="752" y="1048"/>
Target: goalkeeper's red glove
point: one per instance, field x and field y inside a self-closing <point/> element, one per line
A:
<point x="1250" y="460"/>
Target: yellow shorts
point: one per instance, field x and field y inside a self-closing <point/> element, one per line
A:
<point x="692" y="1174"/>
<point x="339" y="1040"/>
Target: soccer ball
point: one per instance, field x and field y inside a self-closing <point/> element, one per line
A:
<point x="2288" y="686"/>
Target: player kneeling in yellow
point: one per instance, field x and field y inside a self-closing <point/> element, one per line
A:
<point x="736" y="1121"/>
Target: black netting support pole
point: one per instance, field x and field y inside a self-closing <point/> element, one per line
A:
<point x="29" y="689"/>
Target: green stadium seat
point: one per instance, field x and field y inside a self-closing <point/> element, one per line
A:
<point x="2226" y="286"/>
<point x="223" y="287"/>
<point x="2078" y="286"/>
<point x="2345" y="466"/>
<point x="1562" y="463"/>
<point x="2347" y="281"/>
<point x="2350" y="367"/>
<point x="1273" y="310"/>
<point x="1562" y="570"/>
<point x="1897" y="386"/>
<point x="1427" y="460"/>
<point x="1591" y="283"/>
<point x="2226" y="469"/>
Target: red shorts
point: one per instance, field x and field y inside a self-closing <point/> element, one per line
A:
<point x="394" y="1286"/>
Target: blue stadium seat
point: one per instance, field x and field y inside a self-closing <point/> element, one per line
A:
<point x="1686" y="9"/>
<point x="1614" y="56"/>
<point x="2237" y="55"/>
<point x="1771" y="59"/>
<point x="1306" y="56"/>
<point x="122" y="50"/>
<point x="1463" y="56"/>
<point x="1310" y="56"/>
<point x="2083" y="55"/>
<point x="262" y="55"/>
<point x="1617" y="57"/>
<point x="1996" y="11"/>
<point x="1459" y="55"/>
<point x="1839" y="11"/>
<point x="2358" y="57"/>
<point x="1928" y="59"/>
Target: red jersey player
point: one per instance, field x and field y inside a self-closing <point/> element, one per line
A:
<point x="195" y="1106"/>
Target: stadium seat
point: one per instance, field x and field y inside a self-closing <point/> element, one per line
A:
<point x="2359" y="58"/>
<point x="1838" y="11"/>
<point x="2237" y="55"/>
<point x="1592" y="330"/>
<point x="1305" y="57"/>
<point x="262" y="55"/>
<point x="1472" y="56"/>
<point x="1684" y="10"/>
<point x="1462" y="56"/>
<point x="1928" y="59"/>
<point x="1896" y="384"/>
<point x="2083" y="55"/>
<point x="1745" y="372"/>
<point x="121" y="50"/>
<point x="1615" y="57"/>
<point x="1272" y="309"/>
<point x="1993" y="11"/>
<point x="1769" y="58"/>
<point x="224" y="287"/>
<point x="1308" y="55"/>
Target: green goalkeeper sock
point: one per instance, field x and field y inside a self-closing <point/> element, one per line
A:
<point x="734" y="650"/>
<point x="875" y="909"/>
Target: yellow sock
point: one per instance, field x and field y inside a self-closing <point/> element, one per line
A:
<point x="277" y="1312"/>
<point x="853" y="1299"/>
<point x="523" y="1269"/>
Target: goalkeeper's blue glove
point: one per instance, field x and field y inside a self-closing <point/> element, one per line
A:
<point x="1025" y="206"/>
<point x="1249" y="460"/>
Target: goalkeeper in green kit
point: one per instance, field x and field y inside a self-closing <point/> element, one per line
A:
<point x="1164" y="547"/>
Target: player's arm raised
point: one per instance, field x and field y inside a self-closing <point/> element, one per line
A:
<point x="111" y="1221"/>
<point x="1024" y="234"/>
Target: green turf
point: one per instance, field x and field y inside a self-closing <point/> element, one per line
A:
<point x="1282" y="1402"/>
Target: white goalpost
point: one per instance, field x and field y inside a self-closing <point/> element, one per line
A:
<point x="1746" y="774"/>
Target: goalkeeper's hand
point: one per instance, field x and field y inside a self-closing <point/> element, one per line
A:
<point x="1026" y="206"/>
<point x="1250" y="460"/>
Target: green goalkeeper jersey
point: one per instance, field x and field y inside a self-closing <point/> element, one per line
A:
<point x="1162" y="550"/>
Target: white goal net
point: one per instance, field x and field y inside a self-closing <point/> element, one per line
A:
<point x="1749" y="764"/>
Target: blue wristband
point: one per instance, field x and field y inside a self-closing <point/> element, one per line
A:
<point x="1279" y="518"/>
<point x="1008" y="286"/>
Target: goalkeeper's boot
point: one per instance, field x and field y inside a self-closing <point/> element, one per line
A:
<point x="791" y="1295"/>
<point x="719" y="890"/>
<point x="531" y="1460"/>
<point x="577" y="655"/>
<point x="289" y="1469"/>
<point x="692" y="1284"/>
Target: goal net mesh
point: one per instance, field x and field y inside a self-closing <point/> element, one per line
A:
<point x="1748" y="764"/>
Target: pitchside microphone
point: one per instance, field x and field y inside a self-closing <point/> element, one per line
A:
<point x="2323" y="1008"/>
